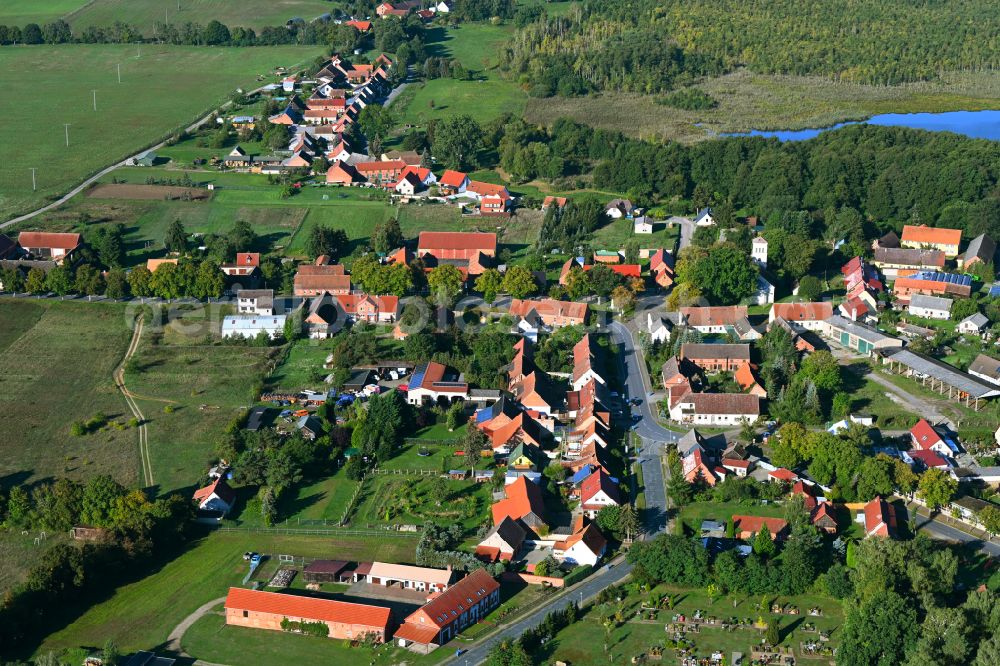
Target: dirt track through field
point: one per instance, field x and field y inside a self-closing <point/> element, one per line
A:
<point x="146" y="192"/>
<point x="119" y="376"/>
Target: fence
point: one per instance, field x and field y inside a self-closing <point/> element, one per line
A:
<point x="407" y="472"/>
<point x="532" y="580"/>
<point x="331" y="531"/>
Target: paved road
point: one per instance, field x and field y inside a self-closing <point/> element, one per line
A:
<point x="654" y="436"/>
<point x="687" y="231"/>
<point x="935" y="528"/>
<point x="581" y="593"/>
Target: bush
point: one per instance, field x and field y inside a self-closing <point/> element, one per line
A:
<point x="689" y="99"/>
<point x="77" y="429"/>
<point x="168" y="409"/>
<point x="578" y="574"/>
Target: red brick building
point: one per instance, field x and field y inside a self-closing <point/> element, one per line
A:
<point x="266" y="610"/>
<point x="456" y="245"/>
<point x="465" y="603"/>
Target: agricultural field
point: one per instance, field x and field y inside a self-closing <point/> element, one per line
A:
<point x="58" y="358"/>
<point x="190" y="388"/>
<point x="146" y="13"/>
<point x="22" y="12"/>
<point x="484" y="97"/>
<point x="164" y="89"/>
<point x="141" y="614"/>
<point x="752" y="101"/>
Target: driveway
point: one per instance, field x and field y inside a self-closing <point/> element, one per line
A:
<point x="687" y="230"/>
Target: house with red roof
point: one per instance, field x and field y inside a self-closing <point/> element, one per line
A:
<point x="381" y="173"/>
<point x="216" y="497"/>
<point x="931" y="238"/>
<point x="365" y="307"/>
<point x="342" y="173"/>
<point x="925" y="437"/>
<point x="552" y="313"/>
<point x="456" y="244"/>
<point x="625" y="270"/>
<point x="550" y="201"/>
<point x="824" y="517"/>
<point x="246" y="264"/>
<point x="453" y="182"/>
<point x="747" y="527"/>
<point x="928" y="459"/>
<point x="585" y="546"/>
<point x="802" y="316"/>
<point x="49" y="245"/>
<point x="258" y="609"/>
<point x="598" y="491"/>
<point x="661" y="267"/>
<point x="316" y="280"/>
<point x="442" y="618"/>
<point x="782" y="475"/>
<point x="523" y="502"/>
<point x="696" y="469"/>
<point x="360" y="26"/>
<point x="879" y="519"/>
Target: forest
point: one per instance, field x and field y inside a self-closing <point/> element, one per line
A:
<point x="652" y="46"/>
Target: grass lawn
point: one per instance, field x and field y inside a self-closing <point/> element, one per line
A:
<point x="16" y="548"/>
<point x="57" y="360"/>
<point x="206" y="385"/>
<point x="616" y="233"/>
<point x="140" y="615"/>
<point x="164" y="89"/>
<point x="23" y="12"/>
<point x="146" y="13"/>
<point x="587" y="641"/>
<point x="693" y="514"/>
<point x="486" y="96"/>
<point x="303" y="367"/>
<point x="751" y="101"/>
<point x="870" y="397"/>
<point x="406" y="500"/>
<point x="323" y="500"/>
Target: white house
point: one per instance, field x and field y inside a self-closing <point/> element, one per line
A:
<point x="586" y="546"/>
<point x="408" y="185"/>
<point x="704" y="218"/>
<point x="974" y="324"/>
<point x="442" y="7"/>
<point x="642" y="225"/>
<point x="930" y="307"/>
<point x="758" y="251"/>
<point x="250" y="326"/>
<point x="216" y="497"/>
<point x="986" y="368"/>
<point x="598" y="491"/>
<point x="765" y="292"/>
<point x="722" y="409"/>
<point x="255" y="301"/>
<point x="658" y="327"/>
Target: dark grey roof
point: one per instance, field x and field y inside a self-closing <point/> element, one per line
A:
<point x="985" y="365"/>
<point x="890" y="240"/>
<point x="931" y="302"/>
<point x="510" y="531"/>
<point x="979" y="320"/>
<point x="981" y="247"/>
<point x="709" y="350"/>
<point x="943" y="372"/>
<point x="909" y="257"/>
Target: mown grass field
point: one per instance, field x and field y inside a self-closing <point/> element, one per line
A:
<point x="146" y="13"/>
<point x="22" y="12"/>
<point x="203" y="385"/>
<point x="140" y="615"/>
<point x="57" y="360"/>
<point x="164" y="89"/>
<point x="751" y="101"/>
<point x="484" y="97"/>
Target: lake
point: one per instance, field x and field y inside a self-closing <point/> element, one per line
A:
<point x="976" y="124"/>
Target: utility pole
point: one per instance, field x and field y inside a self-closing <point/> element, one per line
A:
<point x="95" y="99"/>
<point x="119" y="72"/>
<point x="66" y="125"/>
<point x="34" y="187"/>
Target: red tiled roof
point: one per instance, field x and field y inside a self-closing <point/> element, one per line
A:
<point x="47" y="239"/>
<point x="457" y="240"/>
<point x="458" y="598"/>
<point x="548" y="307"/>
<point x="488" y="189"/>
<point x="295" y="606"/>
<point x="452" y="178"/>
<point x="523" y="497"/>
<point x="596" y="483"/>
<point x="714" y="316"/>
<point x="558" y="201"/>
<point x="626" y="270"/>
<point x="923" y="434"/>
<point x="793" y="312"/>
<point x="388" y="165"/>
<point x="800" y="488"/>
<point x="929" y="458"/>
<point x="753" y="524"/>
<point x="218" y="487"/>
<point x="783" y="474"/>
<point x="930" y="235"/>
<point x="880" y="518"/>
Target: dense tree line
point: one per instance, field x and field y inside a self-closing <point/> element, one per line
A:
<point x="67" y="574"/>
<point x="650" y="46"/>
<point x="342" y="38"/>
<point x="848" y="184"/>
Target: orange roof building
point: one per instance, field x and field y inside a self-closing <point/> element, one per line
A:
<point x="880" y="519"/>
<point x="552" y="312"/>
<point x="808" y="316"/>
<point x="465" y="603"/>
<point x="934" y="238"/>
<point x="524" y="502"/>
<point x="257" y="609"/>
<point x="48" y="245"/>
<point x="455" y="244"/>
<point x="313" y="280"/>
<point x="749" y="526"/>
